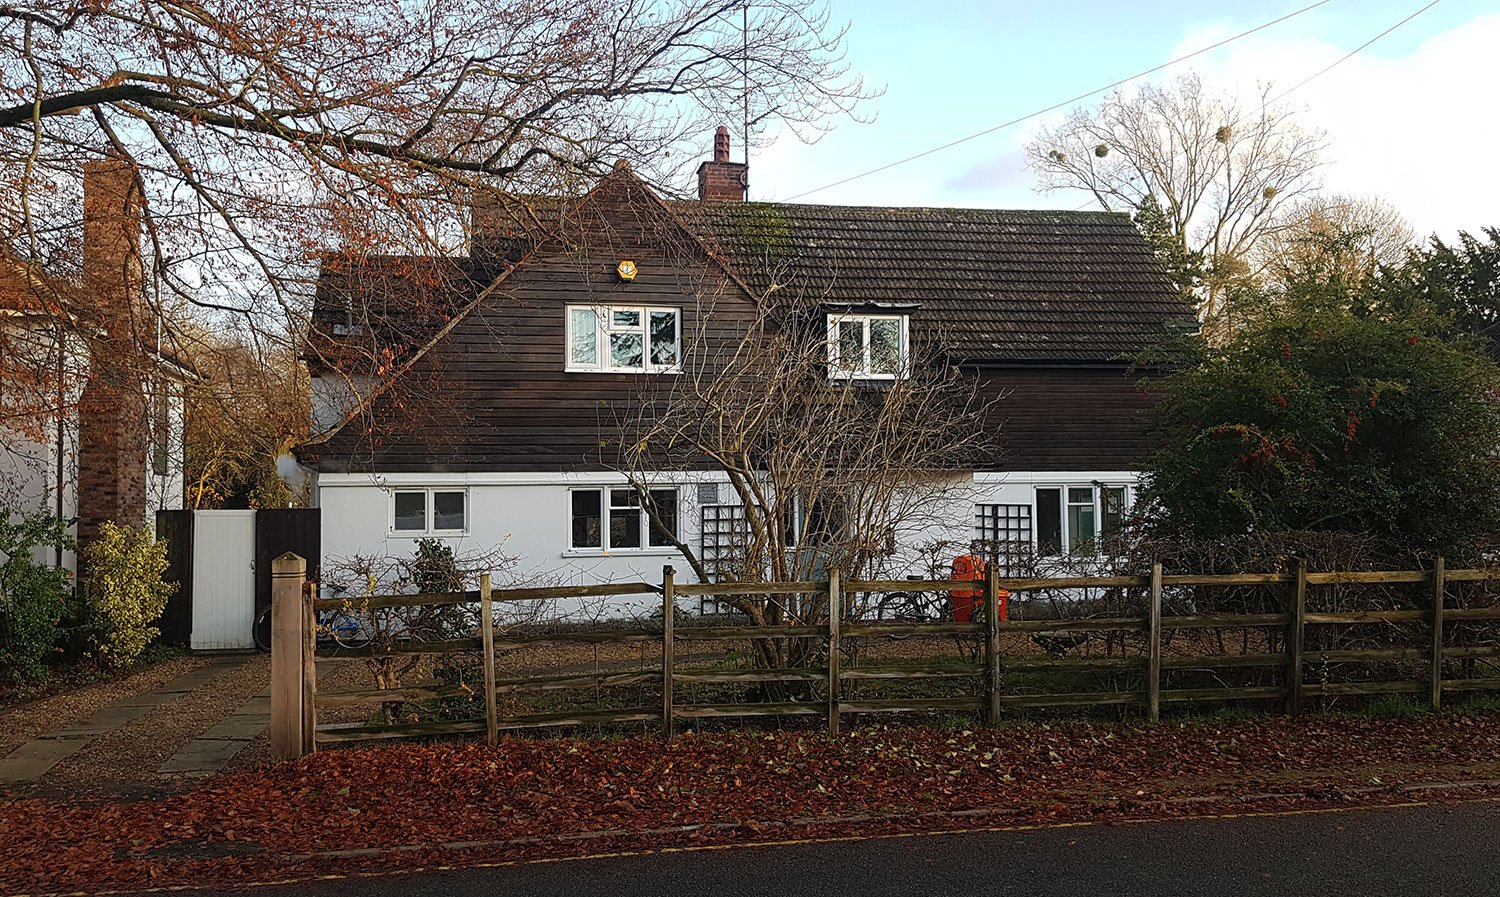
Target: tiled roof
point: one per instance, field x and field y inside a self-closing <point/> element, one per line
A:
<point x="991" y="285"/>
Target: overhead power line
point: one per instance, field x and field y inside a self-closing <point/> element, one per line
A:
<point x="1351" y="54"/>
<point x="1083" y="96"/>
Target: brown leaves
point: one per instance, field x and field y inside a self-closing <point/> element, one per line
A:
<point x="545" y="797"/>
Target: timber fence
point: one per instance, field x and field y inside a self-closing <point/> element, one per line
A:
<point x="1431" y="644"/>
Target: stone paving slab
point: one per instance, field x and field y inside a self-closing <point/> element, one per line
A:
<point x="202" y="757"/>
<point x="31" y="760"/>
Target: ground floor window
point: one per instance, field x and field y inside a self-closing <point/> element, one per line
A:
<point x="998" y="528"/>
<point x="416" y="512"/>
<point x="616" y="518"/>
<point x="1074" y="519"/>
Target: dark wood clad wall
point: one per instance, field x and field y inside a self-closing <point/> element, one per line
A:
<point x="494" y="395"/>
<point x="1060" y="418"/>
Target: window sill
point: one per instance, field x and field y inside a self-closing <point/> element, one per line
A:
<point x="438" y="534"/>
<point x="653" y="552"/>
<point x="636" y="371"/>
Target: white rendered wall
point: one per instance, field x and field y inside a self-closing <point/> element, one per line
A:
<point x="527" y="517"/>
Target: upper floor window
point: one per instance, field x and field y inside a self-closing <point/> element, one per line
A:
<point x="867" y="347"/>
<point x="624" y="338"/>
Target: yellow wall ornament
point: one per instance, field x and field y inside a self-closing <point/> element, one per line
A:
<point x="626" y="269"/>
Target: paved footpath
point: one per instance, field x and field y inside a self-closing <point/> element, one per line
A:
<point x="209" y="752"/>
<point x="35" y="758"/>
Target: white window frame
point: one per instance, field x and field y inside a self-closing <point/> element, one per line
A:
<point x="836" y="371"/>
<point x="1068" y="546"/>
<point x="604" y="514"/>
<point x="430" y="511"/>
<point x="603" y="326"/>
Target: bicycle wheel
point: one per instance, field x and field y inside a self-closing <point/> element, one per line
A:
<point x="348" y="631"/>
<point x="260" y="631"/>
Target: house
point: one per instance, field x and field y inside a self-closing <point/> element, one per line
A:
<point x="91" y="388"/>
<point x="519" y="359"/>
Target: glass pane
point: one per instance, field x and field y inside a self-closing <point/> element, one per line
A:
<point x="411" y="511"/>
<point x="885" y="347"/>
<point x="623" y="498"/>
<point x="1081" y="496"/>
<point x="1112" y="509"/>
<point x="664" y="338"/>
<point x="624" y="318"/>
<point x="1081" y="528"/>
<point x="624" y="525"/>
<point x="447" y="510"/>
<point x="625" y="350"/>
<point x="1049" y="521"/>
<point x="584" y="348"/>
<point x="664" y="502"/>
<point x="852" y="345"/>
<point x="587" y="522"/>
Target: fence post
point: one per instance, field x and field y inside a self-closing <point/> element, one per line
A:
<point x="835" y="611"/>
<point x="1153" y="648"/>
<point x="309" y="668"/>
<point x="487" y="638"/>
<point x="1294" y="641"/>
<point x="668" y="621"/>
<point x="1439" y="587"/>
<point x="992" y="641"/>
<point x="288" y="641"/>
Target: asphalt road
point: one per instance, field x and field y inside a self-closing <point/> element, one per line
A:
<point x="1434" y="851"/>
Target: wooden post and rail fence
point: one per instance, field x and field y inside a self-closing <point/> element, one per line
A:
<point x="295" y="648"/>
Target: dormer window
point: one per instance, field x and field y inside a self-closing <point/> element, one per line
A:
<point x="867" y="347"/>
<point x="627" y="339"/>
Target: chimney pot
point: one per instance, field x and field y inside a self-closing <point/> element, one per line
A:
<point x="721" y="144"/>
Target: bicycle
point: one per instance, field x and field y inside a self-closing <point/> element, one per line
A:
<point x="338" y="627"/>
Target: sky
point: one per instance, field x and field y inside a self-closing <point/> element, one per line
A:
<point x="1410" y="119"/>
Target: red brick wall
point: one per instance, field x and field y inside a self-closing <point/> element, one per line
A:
<point x="112" y="419"/>
<point x="722" y="181"/>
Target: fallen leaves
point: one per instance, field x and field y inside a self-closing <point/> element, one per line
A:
<point x="535" y="797"/>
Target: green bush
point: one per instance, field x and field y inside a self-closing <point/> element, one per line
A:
<point x="123" y="591"/>
<point x="33" y="597"/>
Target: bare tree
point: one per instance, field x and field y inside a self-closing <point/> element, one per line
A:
<point x="269" y="135"/>
<point x="1346" y="237"/>
<point x="823" y="470"/>
<point x="1218" y="171"/>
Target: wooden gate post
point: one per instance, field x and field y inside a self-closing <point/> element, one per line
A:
<point x="1153" y="648"/>
<point x="835" y="611"/>
<point x="487" y="641"/>
<point x="992" y="642"/>
<point x="1439" y="588"/>
<point x="668" y="622"/>
<point x="288" y="640"/>
<point x="1294" y="640"/>
<point x="309" y="668"/>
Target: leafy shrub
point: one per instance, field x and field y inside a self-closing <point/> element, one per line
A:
<point x="33" y="597"/>
<point x="123" y="591"/>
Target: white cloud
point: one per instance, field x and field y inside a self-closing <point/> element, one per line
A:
<point x="1417" y="129"/>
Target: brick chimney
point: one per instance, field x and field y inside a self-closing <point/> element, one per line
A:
<point x="112" y="414"/>
<point x="722" y="180"/>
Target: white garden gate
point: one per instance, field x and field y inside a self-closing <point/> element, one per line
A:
<point x="223" y="605"/>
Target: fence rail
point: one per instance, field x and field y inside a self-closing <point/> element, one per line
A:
<point x="295" y="695"/>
